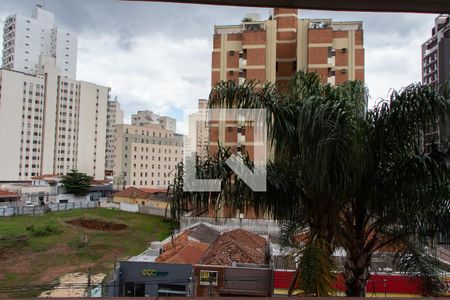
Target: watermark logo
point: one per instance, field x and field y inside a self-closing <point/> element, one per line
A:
<point x="243" y="130"/>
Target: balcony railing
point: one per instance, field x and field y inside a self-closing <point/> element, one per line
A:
<point x="242" y="63"/>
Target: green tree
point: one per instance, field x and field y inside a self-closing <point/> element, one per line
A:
<point x="347" y="177"/>
<point x="403" y="198"/>
<point x="77" y="183"/>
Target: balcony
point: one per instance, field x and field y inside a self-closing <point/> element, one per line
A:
<point x="242" y="63"/>
<point x="331" y="80"/>
<point x="332" y="61"/>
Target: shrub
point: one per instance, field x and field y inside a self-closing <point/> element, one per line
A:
<point x="43" y="230"/>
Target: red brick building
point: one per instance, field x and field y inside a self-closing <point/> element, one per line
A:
<point x="274" y="49"/>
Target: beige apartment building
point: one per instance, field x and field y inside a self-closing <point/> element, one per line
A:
<point x="50" y="124"/>
<point x="146" y="155"/>
<point x="273" y="50"/>
<point x="114" y="117"/>
<point x="200" y="123"/>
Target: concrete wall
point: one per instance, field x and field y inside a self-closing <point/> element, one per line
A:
<point x="71" y="198"/>
<point x="259" y="226"/>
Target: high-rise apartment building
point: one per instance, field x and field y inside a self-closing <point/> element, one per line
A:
<point x="436" y="53"/>
<point x="201" y="128"/>
<point x="146" y="155"/>
<point x="26" y="38"/>
<point x="50" y="124"/>
<point x="114" y="117"/>
<point x="273" y="50"/>
<point x="436" y="61"/>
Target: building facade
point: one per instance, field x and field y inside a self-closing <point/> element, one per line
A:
<point x="273" y="50"/>
<point x="147" y="155"/>
<point x="199" y="130"/>
<point x="26" y="38"/>
<point x="50" y="124"/>
<point x="436" y="61"/>
<point x="114" y="117"/>
<point x="144" y="117"/>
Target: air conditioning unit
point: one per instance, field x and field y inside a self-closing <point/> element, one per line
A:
<point x="344" y="50"/>
<point x="231" y="73"/>
<point x="231" y="52"/>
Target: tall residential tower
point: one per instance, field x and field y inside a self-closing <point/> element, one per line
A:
<point x="26" y="38"/>
<point x="50" y="124"/>
<point x="273" y="50"/>
<point x="114" y="117"/>
<point x="436" y="61"/>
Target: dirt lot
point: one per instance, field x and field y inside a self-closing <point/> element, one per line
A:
<point x="35" y="251"/>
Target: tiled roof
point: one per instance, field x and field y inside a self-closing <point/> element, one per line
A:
<point x="100" y="182"/>
<point x="236" y="246"/>
<point x="142" y="193"/>
<point x="46" y="176"/>
<point x="204" y="234"/>
<point x="7" y="194"/>
<point x="189" y="252"/>
<point x="132" y="192"/>
<point x="153" y="191"/>
<point x="181" y="239"/>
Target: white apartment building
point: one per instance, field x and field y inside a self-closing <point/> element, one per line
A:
<point x="144" y="117"/>
<point x="198" y="135"/>
<point x="114" y="117"/>
<point x="203" y="128"/>
<point x="50" y="124"/>
<point x="147" y="155"/>
<point x="26" y="38"/>
<point x="168" y="123"/>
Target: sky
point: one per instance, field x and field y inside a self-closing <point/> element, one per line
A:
<point x="157" y="56"/>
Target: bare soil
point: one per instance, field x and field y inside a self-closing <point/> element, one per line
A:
<point x="97" y="224"/>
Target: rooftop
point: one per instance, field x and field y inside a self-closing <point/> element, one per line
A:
<point x="142" y="193"/>
<point x="8" y="194"/>
<point x="189" y="252"/>
<point x="236" y="247"/>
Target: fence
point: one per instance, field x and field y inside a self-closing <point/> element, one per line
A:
<point x="22" y="210"/>
<point x="135" y="208"/>
<point x="258" y="226"/>
<point x="153" y="211"/>
<point x="40" y="210"/>
<point x="72" y="205"/>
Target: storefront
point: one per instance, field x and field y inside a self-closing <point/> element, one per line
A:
<point x="147" y="279"/>
<point x="223" y="281"/>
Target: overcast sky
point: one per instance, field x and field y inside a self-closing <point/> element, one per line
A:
<point x="158" y="56"/>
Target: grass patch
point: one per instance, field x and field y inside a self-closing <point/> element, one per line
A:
<point x="39" y="249"/>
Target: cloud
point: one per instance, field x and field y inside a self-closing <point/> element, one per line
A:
<point x="158" y="56"/>
<point x="157" y="73"/>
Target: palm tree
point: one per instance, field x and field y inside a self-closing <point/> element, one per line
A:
<point x="352" y="179"/>
<point x="403" y="197"/>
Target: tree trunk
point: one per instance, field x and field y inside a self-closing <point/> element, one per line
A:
<point x="356" y="272"/>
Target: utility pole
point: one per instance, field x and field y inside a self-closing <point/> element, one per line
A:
<point x="115" y="261"/>
<point x="89" y="283"/>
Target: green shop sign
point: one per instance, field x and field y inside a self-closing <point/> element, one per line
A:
<point x="153" y="273"/>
